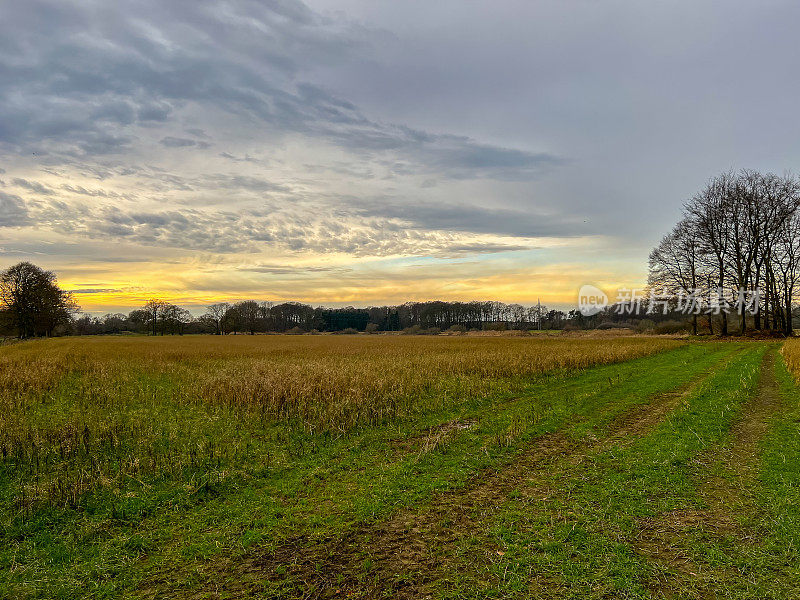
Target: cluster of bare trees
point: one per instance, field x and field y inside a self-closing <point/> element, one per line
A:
<point x="739" y="236"/>
<point x="161" y="317"/>
<point x="251" y="316"/>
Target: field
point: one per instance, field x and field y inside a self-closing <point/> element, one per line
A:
<point x="399" y="466"/>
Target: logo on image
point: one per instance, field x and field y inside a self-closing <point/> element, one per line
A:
<point x="591" y="300"/>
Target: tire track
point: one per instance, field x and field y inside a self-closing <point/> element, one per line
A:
<point x="395" y="558"/>
<point x="726" y="474"/>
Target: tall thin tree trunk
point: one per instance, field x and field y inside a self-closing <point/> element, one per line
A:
<point x="723" y="313"/>
<point x="743" y="329"/>
<point x="757" y="316"/>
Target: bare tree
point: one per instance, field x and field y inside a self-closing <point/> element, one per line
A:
<point x="710" y="213"/>
<point x="217" y="313"/>
<point x="250" y="313"/>
<point x="738" y="234"/>
<point x="787" y="260"/>
<point x="675" y="264"/>
<point x="154" y="308"/>
<point x="174" y="319"/>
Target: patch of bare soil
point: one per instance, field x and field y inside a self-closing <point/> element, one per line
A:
<point x="725" y="477"/>
<point x="398" y="557"/>
<point x="660" y="538"/>
<point x="432" y="437"/>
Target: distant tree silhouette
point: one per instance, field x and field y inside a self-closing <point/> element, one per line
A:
<point x="31" y="301"/>
<point x="155" y="309"/>
<point x="216" y="314"/>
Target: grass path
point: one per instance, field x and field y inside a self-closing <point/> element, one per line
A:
<point x="726" y="477"/>
<point x="579" y="532"/>
<point x="394" y="557"/>
<point x="706" y="504"/>
<point x="398" y="555"/>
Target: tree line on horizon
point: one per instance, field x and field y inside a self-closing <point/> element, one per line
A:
<point x="158" y="317"/>
<point x="740" y="233"/>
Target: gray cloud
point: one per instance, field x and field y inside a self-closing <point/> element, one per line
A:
<point x="66" y="92"/>
<point x="379" y="129"/>
<point x="487" y="248"/>
<point x="248" y="231"/>
<point x="176" y="142"/>
<point x="94" y="193"/>
<point x="197" y="132"/>
<point x="242" y="182"/>
<point x="464" y="159"/>
<point x="33" y="186"/>
<point x="124" y="259"/>
<point x="529" y="223"/>
<point x="70" y="91"/>
<point x="359" y="171"/>
<point x="13" y="211"/>
<point x="156" y="180"/>
<point x="245" y="158"/>
<point x="299" y="270"/>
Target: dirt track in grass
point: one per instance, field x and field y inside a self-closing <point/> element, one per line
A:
<point x="724" y="476"/>
<point x="395" y="558"/>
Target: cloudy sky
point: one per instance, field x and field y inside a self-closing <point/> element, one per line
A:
<point x="375" y="151"/>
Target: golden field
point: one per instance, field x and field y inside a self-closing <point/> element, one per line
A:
<point x="325" y="381"/>
<point x="791" y="356"/>
<point x="78" y="413"/>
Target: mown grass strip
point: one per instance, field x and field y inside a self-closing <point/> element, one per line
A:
<point x="572" y="534"/>
<point x="768" y="565"/>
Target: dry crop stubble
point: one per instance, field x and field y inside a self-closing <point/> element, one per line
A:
<point x="81" y="414"/>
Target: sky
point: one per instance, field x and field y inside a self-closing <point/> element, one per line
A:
<point x="366" y="152"/>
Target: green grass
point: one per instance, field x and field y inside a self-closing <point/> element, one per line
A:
<point x="582" y="538"/>
<point x="178" y="529"/>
